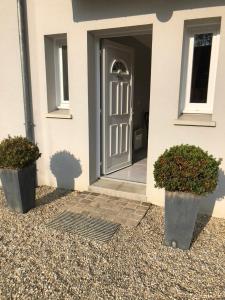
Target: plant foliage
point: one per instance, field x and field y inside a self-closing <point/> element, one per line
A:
<point x="17" y="152"/>
<point x="187" y="168"/>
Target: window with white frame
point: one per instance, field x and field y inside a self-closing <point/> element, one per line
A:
<point x="200" y="58"/>
<point x="56" y="62"/>
<point x="61" y="74"/>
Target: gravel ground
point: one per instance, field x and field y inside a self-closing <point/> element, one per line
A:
<point x="39" y="263"/>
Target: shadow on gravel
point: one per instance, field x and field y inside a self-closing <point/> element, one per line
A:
<point x="201" y="223"/>
<point x="52" y="196"/>
<point x="207" y="206"/>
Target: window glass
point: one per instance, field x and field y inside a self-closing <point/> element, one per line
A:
<point x="119" y="67"/>
<point x="201" y="67"/>
<point x="65" y="73"/>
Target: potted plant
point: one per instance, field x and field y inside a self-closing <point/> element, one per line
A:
<point x="18" y="172"/>
<point x="187" y="173"/>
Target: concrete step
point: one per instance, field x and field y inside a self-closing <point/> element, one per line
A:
<point x="119" y="188"/>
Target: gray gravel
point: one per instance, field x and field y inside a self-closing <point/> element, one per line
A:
<point x="39" y="263"/>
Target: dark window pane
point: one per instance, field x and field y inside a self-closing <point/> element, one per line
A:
<point x="200" y="68"/>
<point x="65" y="73"/>
<point x="118" y="66"/>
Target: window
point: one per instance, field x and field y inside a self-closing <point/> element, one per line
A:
<point x="56" y="59"/>
<point x="119" y="67"/>
<point x="200" y="58"/>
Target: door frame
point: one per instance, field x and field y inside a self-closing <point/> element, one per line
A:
<point x="95" y="45"/>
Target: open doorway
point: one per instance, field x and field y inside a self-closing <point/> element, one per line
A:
<point x="125" y="97"/>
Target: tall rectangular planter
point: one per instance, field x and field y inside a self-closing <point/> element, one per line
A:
<point x="19" y="188"/>
<point x="181" y="211"/>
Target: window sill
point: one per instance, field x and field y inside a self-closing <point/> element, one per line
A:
<point x="59" y="114"/>
<point x="201" y="120"/>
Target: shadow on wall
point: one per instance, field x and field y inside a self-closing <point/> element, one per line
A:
<point x="100" y="9"/>
<point x="66" y="168"/>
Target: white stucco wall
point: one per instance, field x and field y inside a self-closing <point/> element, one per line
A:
<point x="164" y="103"/>
<point x="56" y="135"/>
<point x="11" y="94"/>
<point x="57" y="16"/>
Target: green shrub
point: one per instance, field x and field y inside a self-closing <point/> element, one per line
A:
<point x="187" y="168"/>
<point x="17" y="153"/>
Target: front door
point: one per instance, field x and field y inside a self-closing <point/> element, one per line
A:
<point x="117" y="106"/>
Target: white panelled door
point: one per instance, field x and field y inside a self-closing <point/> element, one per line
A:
<point x="117" y="106"/>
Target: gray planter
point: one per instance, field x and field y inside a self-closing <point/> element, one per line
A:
<point x="181" y="211"/>
<point x="19" y="188"/>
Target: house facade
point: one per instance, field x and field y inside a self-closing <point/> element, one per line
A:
<point x="114" y="83"/>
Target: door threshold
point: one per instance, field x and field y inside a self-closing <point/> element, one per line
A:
<point x="123" y="180"/>
<point x="118" y="188"/>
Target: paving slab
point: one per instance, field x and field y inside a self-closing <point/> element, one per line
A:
<point x="126" y="212"/>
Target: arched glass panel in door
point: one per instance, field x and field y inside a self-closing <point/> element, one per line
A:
<point x="119" y="67"/>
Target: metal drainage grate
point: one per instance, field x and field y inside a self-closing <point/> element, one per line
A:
<point x="86" y="226"/>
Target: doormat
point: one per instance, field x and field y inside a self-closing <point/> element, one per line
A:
<point x="86" y="226"/>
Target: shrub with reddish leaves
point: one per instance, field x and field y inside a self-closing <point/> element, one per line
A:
<point x="187" y="168"/>
<point x="17" y="152"/>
